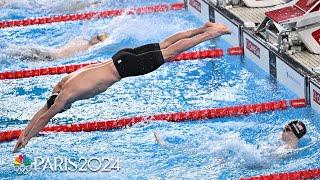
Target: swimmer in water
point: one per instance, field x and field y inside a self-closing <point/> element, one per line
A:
<point x="292" y="133"/>
<point x="72" y="48"/>
<point x="290" y="136"/>
<point x="70" y="6"/>
<point x="94" y="79"/>
<point x="77" y="46"/>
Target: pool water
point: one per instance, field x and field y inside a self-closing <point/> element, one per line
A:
<point x="224" y="148"/>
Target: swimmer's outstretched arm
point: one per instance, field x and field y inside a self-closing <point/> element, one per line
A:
<point x="44" y="118"/>
<point x="76" y="46"/>
<point x="39" y="121"/>
<point x="84" y="83"/>
<point x="22" y="141"/>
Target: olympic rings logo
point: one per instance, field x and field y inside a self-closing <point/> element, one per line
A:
<point x="22" y="169"/>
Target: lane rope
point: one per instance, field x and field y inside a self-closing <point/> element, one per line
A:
<point x="171" y="117"/>
<point x="297" y="175"/>
<point x="91" y="15"/>
<point x="71" y="68"/>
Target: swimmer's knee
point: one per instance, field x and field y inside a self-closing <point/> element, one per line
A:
<point x="167" y="54"/>
<point x="164" y="44"/>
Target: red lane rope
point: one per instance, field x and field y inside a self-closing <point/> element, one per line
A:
<point x="71" y="68"/>
<point x="298" y="103"/>
<point x="91" y="15"/>
<point x="298" y="175"/>
<point x="172" y="117"/>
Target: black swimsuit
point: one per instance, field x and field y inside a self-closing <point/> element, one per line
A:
<point x="138" y="61"/>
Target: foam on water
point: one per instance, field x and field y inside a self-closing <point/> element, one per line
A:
<point x="225" y="148"/>
<point x="15" y="3"/>
<point x="38" y="8"/>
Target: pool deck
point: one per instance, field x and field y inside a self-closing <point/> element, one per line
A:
<point x="294" y="70"/>
<point x="257" y="15"/>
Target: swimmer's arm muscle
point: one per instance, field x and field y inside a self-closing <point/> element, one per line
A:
<point x="33" y="120"/>
<point x="45" y="118"/>
<point x="44" y="109"/>
<point x="38" y="122"/>
<point x="21" y="140"/>
<point x="71" y="48"/>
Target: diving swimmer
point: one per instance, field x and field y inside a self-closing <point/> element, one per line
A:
<point x="94" y="79"/>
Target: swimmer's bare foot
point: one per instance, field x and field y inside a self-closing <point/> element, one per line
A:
<point x="208" y="24"/>
<point x="217" y="30"/>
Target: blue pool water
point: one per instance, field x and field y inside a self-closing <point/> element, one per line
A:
<point x="224" y="148"/>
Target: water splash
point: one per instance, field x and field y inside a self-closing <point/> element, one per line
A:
<point x="15" y="3"/>
<point x="29" y="52"/>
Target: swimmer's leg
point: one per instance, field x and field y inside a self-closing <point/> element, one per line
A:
<point x="169" y="41"/>
<point x="185" y="44"/>
<point x="146" y="48"/>
<point x="183" y="35"/>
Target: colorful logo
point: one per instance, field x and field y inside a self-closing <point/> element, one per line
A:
<point x="316" y="97"/>
<point x="22" y="164"/>
<point x="195" y="4"/>
<point x="253" y="48"/>
<point x="22" y="159"/>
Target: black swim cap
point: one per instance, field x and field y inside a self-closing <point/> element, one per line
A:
<point x="298" y="128"/>
<point x="52" y="99"/>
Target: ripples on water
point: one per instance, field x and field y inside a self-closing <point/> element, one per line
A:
<point x="223" y="148"/>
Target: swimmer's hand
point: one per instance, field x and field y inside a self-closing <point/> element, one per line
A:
<point x="97" y="39"/>
<point x="21" y="143"/>
<point x="102" y="36"/>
